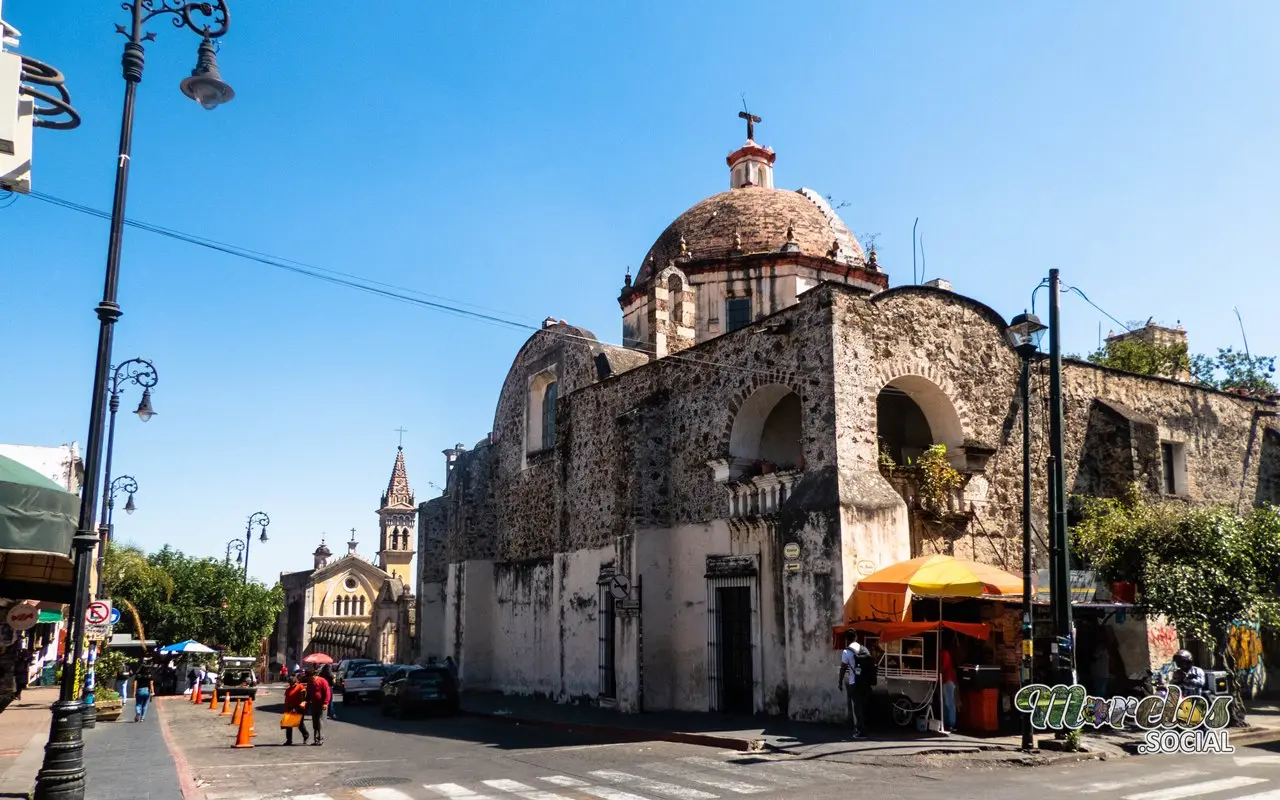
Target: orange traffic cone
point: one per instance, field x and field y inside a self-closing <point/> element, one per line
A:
<point x="195" y="694"/>
<point x="246" y="722"/>
<point x="213" y="700"/>
<point x="253" y="728"/>
<point x="226" y="705"/>
<point x="235" y="718"/>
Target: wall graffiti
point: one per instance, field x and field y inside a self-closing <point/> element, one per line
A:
<point x="1162" y="643"/>
<point x="1244" y="644"/>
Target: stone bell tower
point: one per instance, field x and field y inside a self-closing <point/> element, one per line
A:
<point x="397" y="517"/>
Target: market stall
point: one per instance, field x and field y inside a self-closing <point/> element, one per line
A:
<point x="910" y="646"/>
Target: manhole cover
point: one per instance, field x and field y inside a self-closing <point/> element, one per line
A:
<point x="357" y="783"/>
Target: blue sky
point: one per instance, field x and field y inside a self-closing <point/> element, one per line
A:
<point x="519" y="156"/>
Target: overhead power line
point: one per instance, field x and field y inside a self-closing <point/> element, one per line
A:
<point x="387" y="290"/>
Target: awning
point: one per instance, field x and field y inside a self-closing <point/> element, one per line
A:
<point x="37" y="523"/>
<point x="49" y="616"/>
<point x="892" y="631"/>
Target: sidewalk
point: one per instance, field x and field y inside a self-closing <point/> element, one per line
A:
<point x="813" y="740"/>
<point x="123" y="760"/>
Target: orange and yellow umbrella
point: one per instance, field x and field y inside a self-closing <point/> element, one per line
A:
<point x="886" y="594"/>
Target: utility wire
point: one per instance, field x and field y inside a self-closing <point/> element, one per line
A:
<point x="389" y="291"/>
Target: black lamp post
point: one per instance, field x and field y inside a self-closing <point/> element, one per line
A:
<point x="1024" y="334"/>
<point x="1060" y="555"/>
<point x="143" y="373"/>
<point x="261" y="519"/>
<point x="238" y="546"/>
<point x="62" y="775"/>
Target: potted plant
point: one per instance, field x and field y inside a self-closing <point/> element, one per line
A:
<point x="108" y="704"/>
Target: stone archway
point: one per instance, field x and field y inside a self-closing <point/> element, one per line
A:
<point x="769" y="427"/>
<point x="913" y="413"/>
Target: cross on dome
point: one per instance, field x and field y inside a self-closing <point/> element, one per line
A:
<point x="751" y="119"/>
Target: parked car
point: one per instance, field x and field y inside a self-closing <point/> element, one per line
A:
<point x="345" y="667"/>
<point x="415" y="690"/>
<point x="365" y="683"/>
<point x="236" y="678"/>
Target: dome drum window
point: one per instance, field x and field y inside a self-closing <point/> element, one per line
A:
<point x="540" y="419"/>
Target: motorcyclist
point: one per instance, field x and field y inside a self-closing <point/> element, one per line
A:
<point x="1188" y="677"/>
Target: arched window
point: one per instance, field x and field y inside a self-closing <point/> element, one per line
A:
<point x="769" y="427"/>
<point x="549" y="416"/>
<point x="675" y="299"/>
<point x="912" y="414"/>
<point x="540" y="421"/>
<point x="362" y="606"/>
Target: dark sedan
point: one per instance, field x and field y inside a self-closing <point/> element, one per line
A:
<point x="418" y="690"/>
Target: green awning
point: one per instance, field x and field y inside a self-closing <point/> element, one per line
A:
<point x="36" y="514"/>
<point x="49" y="616"/>
<point x="37" y="523"/>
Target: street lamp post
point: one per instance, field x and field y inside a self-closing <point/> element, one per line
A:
<point x="62" y="775"/>
<point x="1060" y="556"/>
<point x="128" y="485"/>
<point x="143" y="373"/>
<point x="1024" y="334"/>
<point x="238" y="546"/>
<point x="261" y="519"/>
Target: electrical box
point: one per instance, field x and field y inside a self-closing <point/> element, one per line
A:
<point x="17" y="113"/>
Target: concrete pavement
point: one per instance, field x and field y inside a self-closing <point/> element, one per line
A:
<point x="370" y="757"/>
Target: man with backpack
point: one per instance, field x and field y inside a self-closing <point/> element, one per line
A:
<point x="857" y="676"/>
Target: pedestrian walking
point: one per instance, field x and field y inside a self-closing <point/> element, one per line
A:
<point x="856" y="681"/>
<point x="295" y="702"/>
<point x="145" y="688"/>
<point x="319" y="695"/>
<point x="947" y="677"/>
<point x="326" y="672"/>
<point x="193" y="678"/>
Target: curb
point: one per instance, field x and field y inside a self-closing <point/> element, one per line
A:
<point x="631" y="734"/>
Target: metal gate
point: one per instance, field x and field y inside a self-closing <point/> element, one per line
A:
<point x="608" y="677"/>
<point x="732" y="644"/>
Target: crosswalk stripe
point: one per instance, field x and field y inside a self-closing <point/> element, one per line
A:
<point x="1141" y="780"/>
<point x="563" y="780"/>
<point x="523" y="790"/>
<point x="310" y="796"/>
<point x="454" y="791"/>
<point x="755" y="769"/>
<point x="1196" y="789"/>
<point x="809" y="767"/>
<point x="384" y="793"/>
<point x="669" y="789"/>
<point x="1274" y="794"/>
<point x="683" y="773"/>
<point x="605" y="793"/>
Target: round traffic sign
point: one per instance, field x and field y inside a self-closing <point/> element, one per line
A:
<point x="620" y="587"/>
<point x="791" y="551"/>
<point x="22" y="616"/>
<point x="98" y="613"/>
<point x="115" y="616"/>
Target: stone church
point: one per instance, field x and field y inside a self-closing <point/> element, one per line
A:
<point x="350" y="607"/>
<point x="677" y="523"/>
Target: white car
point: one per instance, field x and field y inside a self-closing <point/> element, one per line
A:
<point x="364" y="683"/>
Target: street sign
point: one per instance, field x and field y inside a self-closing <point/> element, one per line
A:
<point x="97" y="631"/>
<point x="98" y="613"/>
<point x="22" y="616"/>
<point x="791" y="551"/>
<point x="115" y="616"/>
<point x="620" y="586"/>
<point x="792" y="566"/>
<point x="627" y="609"/>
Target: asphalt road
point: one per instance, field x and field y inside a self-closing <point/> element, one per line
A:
<point x="369" y="757"/>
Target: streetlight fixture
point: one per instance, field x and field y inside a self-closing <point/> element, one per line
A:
<point x="261" y="519"/>
<point x="143" y="373"/>
<point x="62" y="775"/>
<point x="238" y="546"/>
<point x="1025" y="331"/>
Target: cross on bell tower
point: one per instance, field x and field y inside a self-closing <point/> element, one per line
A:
<point x="751" y="119"/>
<point x="751" y="165"/>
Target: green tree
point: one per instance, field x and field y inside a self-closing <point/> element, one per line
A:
<point x="1234" y="371"/>
<point x="1142" y="358"/>
<point x="181" y="597"/>
<point x="1205" y="569"/>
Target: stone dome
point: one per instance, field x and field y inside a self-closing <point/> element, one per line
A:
<point x="760" y="216"/>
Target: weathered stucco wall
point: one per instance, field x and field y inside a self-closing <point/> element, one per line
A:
<point x="630" y="471"/>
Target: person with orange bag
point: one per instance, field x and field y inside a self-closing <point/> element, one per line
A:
<point x="295" y="702"/>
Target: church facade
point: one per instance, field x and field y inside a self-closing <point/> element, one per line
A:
<point x="679" y="522"/>
<point x="350" y="607"/>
